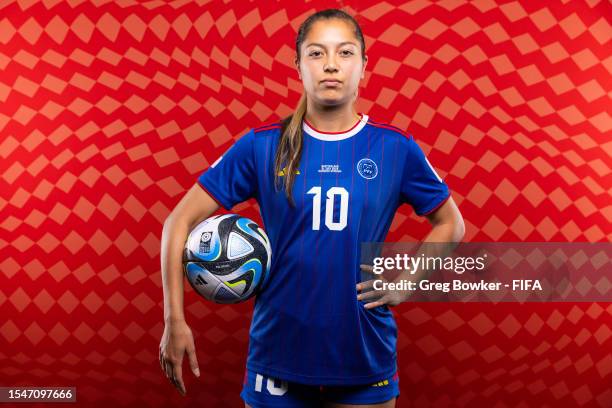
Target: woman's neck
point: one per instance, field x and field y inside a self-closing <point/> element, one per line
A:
<point x="332" y="119"/>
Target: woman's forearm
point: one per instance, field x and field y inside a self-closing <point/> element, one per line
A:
<point x="440" y="242"/>
<point x="174" y="234"/>
<point x="447" y="232"/>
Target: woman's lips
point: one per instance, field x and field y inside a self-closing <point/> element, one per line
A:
<point x="331" y="83"/>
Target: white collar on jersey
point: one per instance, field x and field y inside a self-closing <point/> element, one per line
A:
<point x="333" y="136"/>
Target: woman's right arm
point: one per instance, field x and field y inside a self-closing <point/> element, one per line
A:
<point x="177" y="339"/>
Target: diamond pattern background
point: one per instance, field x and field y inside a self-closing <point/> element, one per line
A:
<point x="110" y="110"/>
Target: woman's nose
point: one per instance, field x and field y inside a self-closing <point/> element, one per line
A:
<point x="330" y="63"/>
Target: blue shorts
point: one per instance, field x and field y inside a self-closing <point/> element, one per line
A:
<point x="261" y="391"/>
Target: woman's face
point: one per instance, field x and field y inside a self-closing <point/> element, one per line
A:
<point x="330" y="64"/>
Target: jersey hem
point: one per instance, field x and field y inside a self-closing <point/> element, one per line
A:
<point x="436" y="206"/>
<point x="212" y="195"/>
<point x="321" y="380"/>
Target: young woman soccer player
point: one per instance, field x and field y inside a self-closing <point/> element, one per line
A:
<point x="326" y="179"/>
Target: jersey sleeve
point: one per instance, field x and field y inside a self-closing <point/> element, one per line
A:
<point x="421" y="186"/>
<point x="231" y="178"/>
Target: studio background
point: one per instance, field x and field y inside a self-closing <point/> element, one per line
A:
<point x="111" y="109"/>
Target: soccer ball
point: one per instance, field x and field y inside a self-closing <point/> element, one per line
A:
<point x="227" y="258"/>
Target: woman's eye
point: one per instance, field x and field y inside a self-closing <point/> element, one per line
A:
<point x="314" y="54"/>
<point x="346" y="52"/>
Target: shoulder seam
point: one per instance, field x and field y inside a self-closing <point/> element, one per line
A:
<point x="391" y="127"/>
<point x="269" y="126"/>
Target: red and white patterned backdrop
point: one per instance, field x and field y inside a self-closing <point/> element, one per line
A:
<point x="111" y="109"/>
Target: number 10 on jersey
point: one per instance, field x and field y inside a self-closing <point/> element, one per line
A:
<point x="332" y="194"/>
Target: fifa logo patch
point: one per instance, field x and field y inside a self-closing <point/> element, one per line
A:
<point x="367" y="168"/>
<point x="205" y="242"/>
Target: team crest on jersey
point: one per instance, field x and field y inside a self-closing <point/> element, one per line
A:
<point x="367" y="168"/>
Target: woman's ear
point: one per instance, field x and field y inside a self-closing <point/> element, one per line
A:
<point x="365" y="63"/>
<point x="297" y="67"/>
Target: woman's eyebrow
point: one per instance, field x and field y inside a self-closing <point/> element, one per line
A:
<point x="322" y="46"/>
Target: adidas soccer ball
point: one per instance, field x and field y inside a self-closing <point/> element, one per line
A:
<point x="227" y="258"/>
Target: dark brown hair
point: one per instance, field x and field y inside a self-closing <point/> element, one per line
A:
<point x="289" y="150"/>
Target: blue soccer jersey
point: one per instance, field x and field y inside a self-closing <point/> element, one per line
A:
<point x="308" y="325"/>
